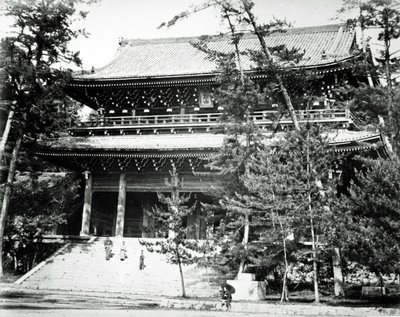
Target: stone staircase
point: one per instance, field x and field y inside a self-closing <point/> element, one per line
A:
<point x="82" y="267"/>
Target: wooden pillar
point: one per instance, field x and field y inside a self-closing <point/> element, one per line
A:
<point x="203" y="225"/>
<point x="87" y="205"/>
<point x="119" y="226"/>
<point x="191" y="226"/>
<point x="210" y="225"/>
<point x="198" y="223"/>
<point x="145" y="222"/>
<point x="148" y="220"/>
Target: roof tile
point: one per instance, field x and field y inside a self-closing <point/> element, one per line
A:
<point x="178" y="57"/>
<point x="171" y="142"/>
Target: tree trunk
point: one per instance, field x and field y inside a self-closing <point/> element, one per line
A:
<point x="181" y="273"/>
<point x="310" y="210"/>
<point x="7" y="195"/>
<point x="337" y="274"/>
<point x="314" y="255"/>
<point x="4" y="138"/>
<point x="237" y="53"/>
<point x="363" y="42"/>
<point x="388" y="74"/>
<point x="285" y="290"/>
<point x="235" y="42"/>
<point x="245" y="240"/>
<point x="381" y="282"/>
<point x="15" y="263"/>
<point x="268" y="56"/>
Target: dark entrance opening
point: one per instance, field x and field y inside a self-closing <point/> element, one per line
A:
<point x="104" y="211"/>
<point x="136" y="204"/>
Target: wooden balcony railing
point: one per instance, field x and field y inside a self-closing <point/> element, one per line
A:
<point x="199" y="120"/>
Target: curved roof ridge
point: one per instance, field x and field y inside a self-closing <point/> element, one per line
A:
<point x="225" y="36"/>
<point x="119" y="51"/>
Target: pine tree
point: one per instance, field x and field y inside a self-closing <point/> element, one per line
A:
<point x="367" y="219"/>
<point x="269" y="189"/>
<point x="35" y="80"/>
<point x="383" y="15"/>
<point x="282" y="182"/>
<point x="178" y="250"/>
<point x="239" y="95"/>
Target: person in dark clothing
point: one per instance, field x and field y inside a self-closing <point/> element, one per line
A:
<point x="141" y="261"/>
<point x="226" y="297"/>
<point x="108" y="244"/>
<point x="122" y="252"/>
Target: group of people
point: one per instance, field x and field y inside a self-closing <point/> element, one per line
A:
<point x="108" y="245"/>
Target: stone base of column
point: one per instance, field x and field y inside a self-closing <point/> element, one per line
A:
<point x="247" y="288"/>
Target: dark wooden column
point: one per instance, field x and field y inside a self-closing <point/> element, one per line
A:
<point x="209" y="225"/>
<point x="87" y="205"/>
<point x="198" y="222"/>
<point x="119" y="226"/>
<point x="148" y="220"/>
<point x="191" y="225"/>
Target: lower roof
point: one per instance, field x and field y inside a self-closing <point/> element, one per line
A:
<point x="196" y="144"/>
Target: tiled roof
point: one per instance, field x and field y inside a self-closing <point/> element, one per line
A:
<point x="322" y="46"/>
<point x="174" y="142"/>
<point x="50" y="178"/>
<point x="151" y="142"/>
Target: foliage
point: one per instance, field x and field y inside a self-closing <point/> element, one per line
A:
<point x="38" y="204"/>
<point x="178" y="250"/>
<point x="368" y="104"/>
<point x="35" y="80"/>
<point x="34" y="58"/>
<point x="367" y="220"/>
<point x="239" y="96"/>
<point x="286" y="183"/>
<point x="383" y="15"/>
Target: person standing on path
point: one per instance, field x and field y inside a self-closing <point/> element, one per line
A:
<point x="141" y="261"/>
<point x="122" y="252"/>
<point x="108" y="244"/>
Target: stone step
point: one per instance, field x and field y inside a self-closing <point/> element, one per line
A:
<point x="104" y="286"/>
<point x="83" y="267"/>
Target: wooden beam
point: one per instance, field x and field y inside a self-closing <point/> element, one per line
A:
<point x="150" y="182"/>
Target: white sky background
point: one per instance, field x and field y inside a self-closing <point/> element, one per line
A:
<point x="109" y="20"/>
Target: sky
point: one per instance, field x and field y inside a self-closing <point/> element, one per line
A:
<point x="110" y="20"/>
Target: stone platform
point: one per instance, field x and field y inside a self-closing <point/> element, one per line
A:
<point x="246" y="288"/>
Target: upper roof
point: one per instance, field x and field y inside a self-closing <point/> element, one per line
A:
<point x="177" y="57"/>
